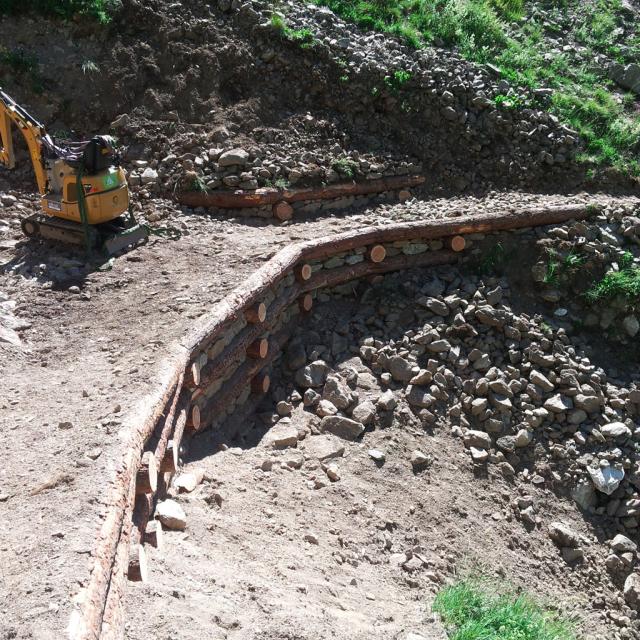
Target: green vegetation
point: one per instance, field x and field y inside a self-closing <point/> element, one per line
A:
<point x="497" y="32"/>
<point x="623" y="283"/>
<point x="100" y="10"/>
<point x="303" y="37"/>
<point x="89" y="66"/>
<point x="198" y="184"/>
<point x="562" y="266"/>
<point x="345" y="166"/>
<point x="20" y="60"/>
<point x="397" y="79"/>
<point x="473" y="610"/>
<point x="492" y="260"/>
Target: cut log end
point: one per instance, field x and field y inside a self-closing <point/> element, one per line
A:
<point x="138" y="571"/>
<point x="256" y="314"/>
<point x="259" y="349"/>
<point x="305" y="302"/>
<point x="261" y="383"/>
<point x="153" y="534"/>
<point x="457" y="243"/>
<point x="195" y="373"/>
<point x="147" y="476"/>
<point x="303" y="272"/>
<point x="282" y="211"/>
<point x="194" y="418"/>
<point x="377" y="253"/>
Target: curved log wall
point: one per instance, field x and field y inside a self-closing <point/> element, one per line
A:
<point x="224" y="362"/>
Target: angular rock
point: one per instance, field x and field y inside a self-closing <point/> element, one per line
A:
<point x="622" y="544"/>
<point x="400" y="369"/>
<point x="615" y="430"/>
<point x="233" y="157"/>
<point x="282" y="436"/>
<point x="324" y="447"/>
<point x="563" y="535"/>
<point x="478" y="439"/>
<point x="419" y="397"/>
<point x="364" y="412"/>
<point x="342" y="427"/>
<point x="171" y="514"/>
<point x="313" y="375"/>
<point x="558" y="403"/>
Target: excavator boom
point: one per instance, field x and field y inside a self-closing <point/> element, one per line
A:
<point x="33" y="132"/>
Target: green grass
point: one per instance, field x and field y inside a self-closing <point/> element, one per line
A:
<point x="100" y="10"/>
<point x="345" y="167"/>
<point x="624" y="283"/>
<point x="472" y="610"/>
<point x="303" y="37"/>
<point x="491" y="31"/>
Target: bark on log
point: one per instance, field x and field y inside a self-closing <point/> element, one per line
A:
<point x="169" y="425"/>
<point x="248" y="293"/>
<point x="244" y="374"/>
<point x="340" y="275"/>
<point x="256" y="314"/>
<point x="106" y="582"/>
<point x="147" y="475"/>
<point x="172" y="454"/>
<point x="377" y="253"/>
<point x="263" y="197"/>
<point x="234" y="353"/>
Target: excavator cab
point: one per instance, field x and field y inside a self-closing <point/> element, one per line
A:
<point x="83" y="189"/>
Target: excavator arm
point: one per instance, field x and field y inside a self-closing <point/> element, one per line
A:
<point x="31" y="129"/>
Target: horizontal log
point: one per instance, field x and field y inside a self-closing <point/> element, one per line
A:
<point x="303" y="272"/>
<point x="272" y="196"/>
<point x="334" y="277"/>
<point x="233" y="387"/>
<point x="260" y="383"/>
<point x="234" y="352"/>
<point x="193" y="418"/>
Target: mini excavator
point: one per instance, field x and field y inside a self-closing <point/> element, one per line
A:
<point x="83" y="189"/>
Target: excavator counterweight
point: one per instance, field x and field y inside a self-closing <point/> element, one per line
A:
<point x="83" y="189"/>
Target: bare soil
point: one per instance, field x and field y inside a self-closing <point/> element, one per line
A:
<point x="86" y="359"/>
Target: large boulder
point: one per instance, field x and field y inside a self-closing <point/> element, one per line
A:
<point x="342" y="427"/>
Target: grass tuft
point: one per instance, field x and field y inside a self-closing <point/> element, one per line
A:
<point x="472" y="610"/>
<point x="623" y="283"/>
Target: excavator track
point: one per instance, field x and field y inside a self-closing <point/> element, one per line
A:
<point x="112" y="237"/>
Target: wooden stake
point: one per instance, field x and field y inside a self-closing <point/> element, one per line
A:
<point x="258" y="350"/>
<point x="456" y="243"/>
<point x="377" y="253"/>
<point x="138" y="571"/>
<point x="147" y="476"/>
<point x="153" y="534"/>
<point x="303" y="272"/>
<point x="256" y="314"/>
<point x="305" y="302"/>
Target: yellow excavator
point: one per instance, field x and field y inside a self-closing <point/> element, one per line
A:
<point x="83" y="189"/>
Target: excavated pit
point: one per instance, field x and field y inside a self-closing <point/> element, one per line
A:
<point x="417" y="426"/>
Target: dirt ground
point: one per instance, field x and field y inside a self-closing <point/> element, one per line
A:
<point x="273" y="549"/>
<point x="91" y="345"/>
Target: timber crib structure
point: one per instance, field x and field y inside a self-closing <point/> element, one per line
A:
<point x="222" y="367"/>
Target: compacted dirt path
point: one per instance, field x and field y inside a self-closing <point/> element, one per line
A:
<point x="90" y="345"/>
